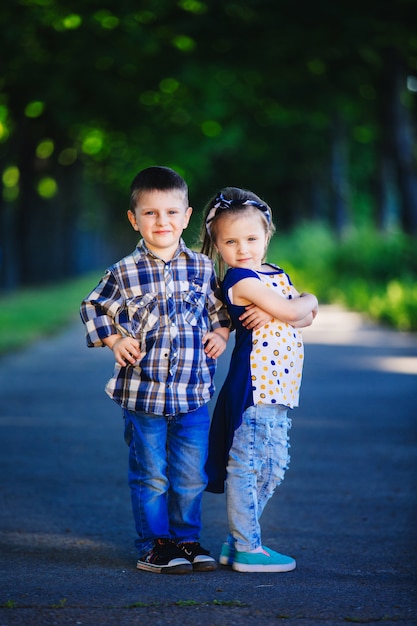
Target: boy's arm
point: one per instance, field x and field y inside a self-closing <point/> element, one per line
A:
<point x="99" y="312"/>
<point x="215" y="341"/>
<point x="125" y="349"/>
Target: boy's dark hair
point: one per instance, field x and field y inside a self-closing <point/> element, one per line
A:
<point x="156" y="178"/>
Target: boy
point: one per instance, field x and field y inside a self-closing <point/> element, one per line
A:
<point x="157" y="309"/>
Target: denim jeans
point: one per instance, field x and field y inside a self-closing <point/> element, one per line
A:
<point x="257" y="462"/>
<point x="166" y="474"/>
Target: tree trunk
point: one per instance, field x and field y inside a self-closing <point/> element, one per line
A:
<point x="339" y="177"/>
<point x="401" y="134"/>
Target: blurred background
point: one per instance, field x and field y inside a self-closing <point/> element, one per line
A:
<point x="312" y="105"/>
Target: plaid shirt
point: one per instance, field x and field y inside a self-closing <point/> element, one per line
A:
<point x="168" y="307"/>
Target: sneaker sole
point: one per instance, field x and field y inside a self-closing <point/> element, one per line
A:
<point x="175" y="568"/>
<point x="245" y="567"/>
<point x="204" y="566"/>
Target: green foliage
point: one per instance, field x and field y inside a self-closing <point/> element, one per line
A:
<point x="366" y="271"/>
<point x="33" y="313"/>
<point x="229" y="603"/>
<point x="242" y="125"/>
<point x="396" y="305"/>
<point x="140" y="605"/>
<point x="9" y="604"/>
<point x="306" y="253"/>
<point x="377" y="257"/>
<point x="91" y="94"/>
<point x="190" y="603"/>
<point x="60" y="604"/>
<point x="186" y="603"/>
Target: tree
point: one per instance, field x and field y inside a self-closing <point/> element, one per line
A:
<point x="301" y="103"/>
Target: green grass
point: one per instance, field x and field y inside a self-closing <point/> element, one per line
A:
<point x="30" y="314"/>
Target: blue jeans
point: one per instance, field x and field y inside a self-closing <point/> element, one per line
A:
<point x="166" y="474"/>
<point x="257" y="463"/>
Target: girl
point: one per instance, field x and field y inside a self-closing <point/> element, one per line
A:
<point x="249" y="430"/>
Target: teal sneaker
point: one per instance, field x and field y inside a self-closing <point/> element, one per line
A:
<point x="227" y="554"/>
<point x="259" y="562"/>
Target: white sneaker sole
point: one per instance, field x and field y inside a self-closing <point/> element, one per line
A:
<point x="246" y="567"/>
<point x="176" y="566"/>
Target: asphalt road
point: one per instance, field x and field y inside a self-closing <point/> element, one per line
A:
<point x="346" y="510"/>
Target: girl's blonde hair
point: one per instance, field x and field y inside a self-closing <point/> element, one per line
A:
<point x="228" y="201"/>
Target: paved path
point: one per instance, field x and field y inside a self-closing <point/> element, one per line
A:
<point x="346" y="510"/>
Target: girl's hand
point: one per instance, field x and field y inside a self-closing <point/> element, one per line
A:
<point x="126" y="350"/>
<point x="254" y="318"/>
<point x="214" y="344"/>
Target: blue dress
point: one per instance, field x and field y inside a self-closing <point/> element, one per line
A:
<point x="265" y="367"/>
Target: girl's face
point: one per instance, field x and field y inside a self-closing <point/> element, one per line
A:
<point x="241" y="239"/>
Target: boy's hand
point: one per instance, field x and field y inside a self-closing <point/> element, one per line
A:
<point x="254" y="318"/>
<point x="126" y="350"/>
<point x="214" y="344"/>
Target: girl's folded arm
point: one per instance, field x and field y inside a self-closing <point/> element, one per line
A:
<point x="252" y="290"/>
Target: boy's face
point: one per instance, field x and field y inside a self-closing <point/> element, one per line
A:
<point x="160" y="217"/>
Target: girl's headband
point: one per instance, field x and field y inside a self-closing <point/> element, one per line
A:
<point x="222" y="204"/>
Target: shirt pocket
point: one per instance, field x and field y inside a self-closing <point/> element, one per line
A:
<point x="194" y="302"/>
<point x="143" y="313"/>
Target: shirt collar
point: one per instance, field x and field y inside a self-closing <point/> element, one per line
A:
<point x="182" y="249"/>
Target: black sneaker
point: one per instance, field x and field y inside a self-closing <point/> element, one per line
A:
<point x="165" y="558"/>
<point x="198" y="556"/>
